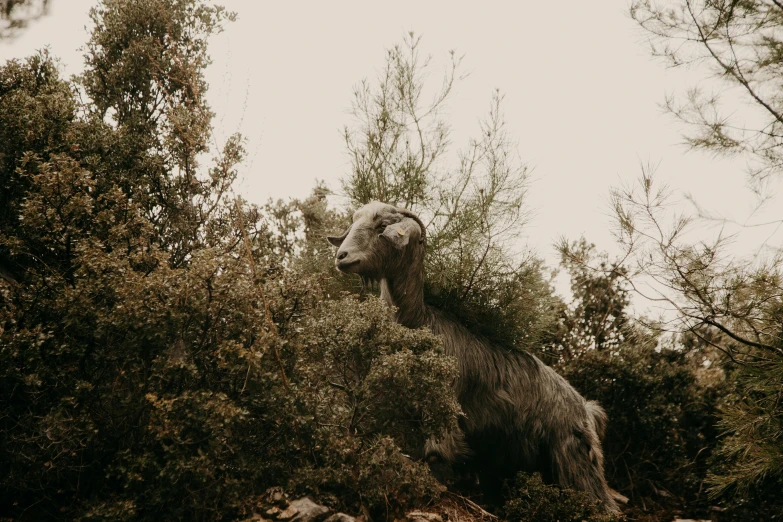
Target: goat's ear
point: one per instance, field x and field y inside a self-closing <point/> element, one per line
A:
<point x="338" y="240"/>
<point x="399" y="234"/>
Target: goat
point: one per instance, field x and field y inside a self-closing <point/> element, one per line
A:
<point x="519" y="414"/>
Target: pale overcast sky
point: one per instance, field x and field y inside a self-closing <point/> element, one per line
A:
<point x="581" y="92"/>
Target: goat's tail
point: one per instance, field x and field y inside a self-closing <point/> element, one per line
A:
<point x="598" y="416"/>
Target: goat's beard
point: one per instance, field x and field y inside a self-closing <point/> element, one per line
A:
<point x="370" y="283"/>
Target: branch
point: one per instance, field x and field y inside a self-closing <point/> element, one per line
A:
<point x="733" y="71"/>
<point x="741" y="339"/>
<point x="267" y="316"/>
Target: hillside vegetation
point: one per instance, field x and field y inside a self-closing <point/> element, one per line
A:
<point x="171" y="351"/>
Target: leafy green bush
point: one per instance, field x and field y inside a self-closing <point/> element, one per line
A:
<point x="662" y="416"/>
<point x="745" y="472"/>
<point x="389" y="379"/>
<point x="168" y="352"/>
<point x="371" y="389"/>
<point x="530" y="500"/>
<point x="661" y="399"/>
<point x="164" y="350"/>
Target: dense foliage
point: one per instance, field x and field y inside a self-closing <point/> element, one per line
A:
<point x="163" y="355"/>
<point x="670" y="400"/>
<point x="15" y="15"/>
<point x="169" y="351"/>
<point x="472" y="199"/>
<point x="531" y="499"/>
<point x="732" y="301"/>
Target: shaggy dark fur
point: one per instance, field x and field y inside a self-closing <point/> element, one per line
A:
<point x="519" y="414"/>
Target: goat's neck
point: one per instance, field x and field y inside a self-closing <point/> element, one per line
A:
<point x="406" y="292"/>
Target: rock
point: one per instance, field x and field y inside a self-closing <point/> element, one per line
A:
<point x="256" y="518"/>
<point x="340" y="517"/>
<point x="289" y="513"/>
<point x="273" y="512"/>
<point x="421" y="516"/>
<point x="307" y="511"/>
<point x="276" y="497"/>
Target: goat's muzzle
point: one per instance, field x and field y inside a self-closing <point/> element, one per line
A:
<point x="346" y="263"/>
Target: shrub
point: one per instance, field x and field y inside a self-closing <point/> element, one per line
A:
<point x="662" y="416"/>
<point x="371" y="389"/>
<point x="156" y="360"/>
<point x="530" y="500"/>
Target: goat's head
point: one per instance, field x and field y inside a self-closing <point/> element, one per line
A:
<point x="379" y="240"/>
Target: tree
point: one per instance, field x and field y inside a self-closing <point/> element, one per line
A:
<point x="474" y="208"/>
<point x="727" y="304"/>
<point x="145" y="75"/>
<point x="15" y="15"/>
<point x="400" y="138"/>
<point x="164" y="352"/>
<point x="740" y="43"/>
<point x="660" y="399"/>
<point x="730" y="302"/>
<point x="598" y="318"/>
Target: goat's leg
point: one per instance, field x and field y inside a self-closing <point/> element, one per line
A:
<point x="444" y="456"/>
<point x="577" y="462"/>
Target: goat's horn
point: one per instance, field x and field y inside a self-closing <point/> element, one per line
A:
<point x="337" y="240"/>
<point x="408" y="213"/>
